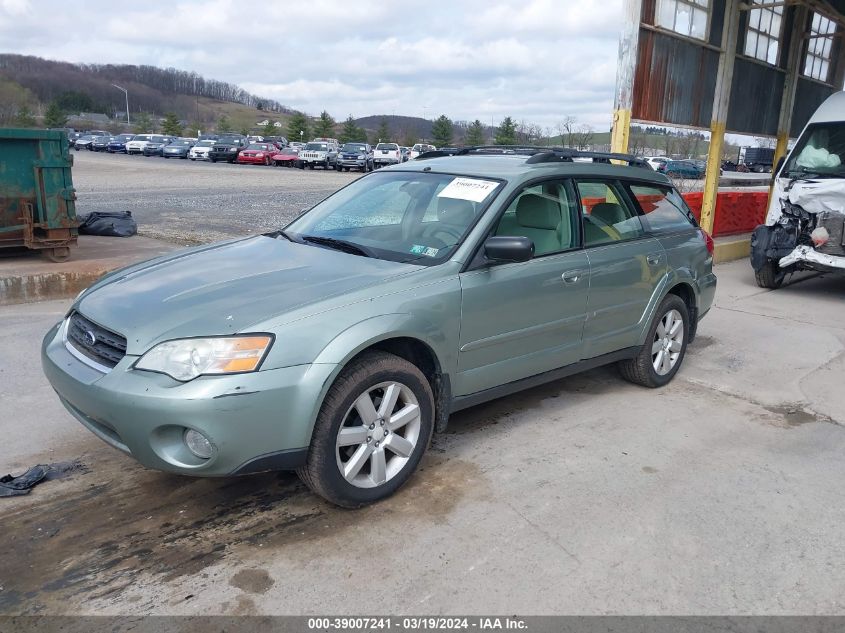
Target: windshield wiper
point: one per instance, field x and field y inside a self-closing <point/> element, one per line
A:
<point x="339" y="245"/>
<point x="281" y="233"/>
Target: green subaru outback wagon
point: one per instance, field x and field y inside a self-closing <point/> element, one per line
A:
<point x="338" y="345"/>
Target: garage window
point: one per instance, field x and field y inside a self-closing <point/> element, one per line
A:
<point x="686" y="17"/>
<point x="819" y="45"/>
<point x="763" y="35"/>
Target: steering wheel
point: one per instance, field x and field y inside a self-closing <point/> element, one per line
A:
<point x="445" y="229"/>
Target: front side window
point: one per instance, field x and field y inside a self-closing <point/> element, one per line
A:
<point x="664" y="209"/>
<point x="401" y="216"/>
<point x="605" y="215"/>
<point x="685" y="17"/>
<point x="542" y="213"/>
<point x="820" y="151"/>
<point x="819" y="45"/>
<point x="763" y="34"/>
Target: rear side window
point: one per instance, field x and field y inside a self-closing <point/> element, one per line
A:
<point x="664" y="209"/>
<point x="607" y="218"/>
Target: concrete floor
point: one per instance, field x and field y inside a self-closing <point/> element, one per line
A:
<point x="719" y="494"/>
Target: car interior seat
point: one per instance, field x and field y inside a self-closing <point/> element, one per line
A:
<point x="539" y="218"/>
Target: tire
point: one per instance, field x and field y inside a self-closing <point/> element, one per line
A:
<point x="213" y="160"/>
<point x="338" y="168"/>
<point x="770" y="276"/>
<point x="641" y="369"/>
<point x="372" y="374"/>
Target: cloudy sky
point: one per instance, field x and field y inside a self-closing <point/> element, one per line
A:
<point x="537" y="60"/>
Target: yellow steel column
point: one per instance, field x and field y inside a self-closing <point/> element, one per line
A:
<point x="625" y="68"/>
<point x="721" y="102"/>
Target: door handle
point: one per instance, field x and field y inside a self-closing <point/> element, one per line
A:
<point x="653" y="259"/>
<point x="571" y="276"/>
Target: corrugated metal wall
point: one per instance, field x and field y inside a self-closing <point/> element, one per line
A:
<point x="676" y="77"/>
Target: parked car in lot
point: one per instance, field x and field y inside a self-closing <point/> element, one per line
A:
<point x="118" y="144"/>
<point x="178" y="148"/>
<point x="318" y="154"/>
<point x="355" y="156"/>
<point x="683" y="169"/>
<point x="257" y="154"/>
<point x="139" y="142"/>
<point x="201" y="149"/>
<point x="657" y="163"/>
<point x="83" y="141"/>
<point x="227" y="147"/>
<point x="386" y="154"/>
<point x="287" y="157"/>
<point x="421" y="148"/>
<point x="405" y="152"/>
<point x="338" y="345"/>
<point x="100" y="144"/>
<point x="297" y="145"/>
<point x="156" y="146"/>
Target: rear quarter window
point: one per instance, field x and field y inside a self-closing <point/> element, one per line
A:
<point x="664" y="209"/>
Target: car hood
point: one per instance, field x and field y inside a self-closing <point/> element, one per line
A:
<point x="226" y="288"/>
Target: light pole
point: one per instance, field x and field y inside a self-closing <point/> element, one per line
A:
<point x="126" y="93"/>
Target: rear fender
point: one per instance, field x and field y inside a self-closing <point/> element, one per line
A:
<point x="680" y="275"/>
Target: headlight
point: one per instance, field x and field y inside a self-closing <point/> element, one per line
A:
<point x="233" y="149"/>
<point x="186" y="359"/>
<point x="360" y="157"/>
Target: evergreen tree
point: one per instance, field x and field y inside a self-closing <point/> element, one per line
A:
<point x="171" y="125"/>
<point x="325" y="126"/>
<point x="24" y="117"/>
<point x="223" y="125"/>
<point x="506" y="133"/>
<point x="298" y="127"/>
<point x="269" y="129"/>
<point x="382" y="133"/>
<point x="143" y="124"/>
<point x="54" y="117"/>
<point x="244" y="130"/>
<point x="351" y="133"/>
<point x="475" y="133"/>
<point x="442" y="130"/>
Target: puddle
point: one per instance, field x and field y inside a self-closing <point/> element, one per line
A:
<point x="106" y="531"/>
<point x="794" y="415"/>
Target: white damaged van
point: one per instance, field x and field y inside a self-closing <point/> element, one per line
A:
<point x="805" y="223"/>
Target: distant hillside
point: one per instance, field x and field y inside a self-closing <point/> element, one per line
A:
<point x="151" y="89"/>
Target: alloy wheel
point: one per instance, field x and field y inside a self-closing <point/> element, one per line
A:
<point x="668" y="342"/>
<point x="378" y="435"/>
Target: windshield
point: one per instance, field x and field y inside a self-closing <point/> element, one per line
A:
<point x="819" y="151"/>
<point x="141" y="137"/>
<point x="259" y="146"/>
<point x="400" y="216"/>
<point x="289" y="152"/>
<point x="354" y="148"/>
<point x="208" y="143"/>
<point x="387" y="146"/>
<point x="181" y="143"/>
<point x="317" y="147"/>
<point x="124" y="137"/>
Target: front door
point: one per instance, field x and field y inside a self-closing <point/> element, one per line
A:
<point x="626" y="267"/>
<point x="522" y="319"/>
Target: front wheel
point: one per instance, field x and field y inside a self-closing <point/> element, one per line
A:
<point x="660" y="358"/>
<point x="372" y="430"/>
<point x="770" y="276"/>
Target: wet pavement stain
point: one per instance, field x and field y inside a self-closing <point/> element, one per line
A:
<point x="794" y="415"/>
<point x="252" y="580"/>
<point x="98" y="534"/>
<point x="650" y="470"/>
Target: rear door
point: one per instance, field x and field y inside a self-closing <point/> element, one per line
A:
<point x="522" y="319"/>
<point x="626" y="267"/>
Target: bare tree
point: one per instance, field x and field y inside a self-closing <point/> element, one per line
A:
<point x="583" y="136"/>
<point x="566" y="129"/>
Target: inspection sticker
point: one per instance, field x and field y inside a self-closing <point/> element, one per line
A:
<point x="428" y="251"/>
<point x="468" y="189"/>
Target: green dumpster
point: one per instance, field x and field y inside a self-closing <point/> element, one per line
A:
<point x="37" y="208"/>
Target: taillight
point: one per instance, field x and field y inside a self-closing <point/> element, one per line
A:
<point x="708" y="241"/>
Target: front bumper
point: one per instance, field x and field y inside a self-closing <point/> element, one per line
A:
<point x="385" y="161"/>
<point x="223" y="155"/>
<point x="256" y="421"/>
<point x="352" y="162"/>
<point x="809" y="257"/>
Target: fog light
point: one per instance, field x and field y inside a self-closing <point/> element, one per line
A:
<point x="198" y="444"/>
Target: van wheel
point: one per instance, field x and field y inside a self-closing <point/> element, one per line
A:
<point x="371" y="432"/>
<point x="770" y="276"/>
<point x="665" y="346"/>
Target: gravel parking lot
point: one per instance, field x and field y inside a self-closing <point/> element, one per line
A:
<point x="194" y="202"/>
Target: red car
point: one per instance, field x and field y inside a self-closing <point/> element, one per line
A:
<point x="257" y="154"/>
<point x="286" y="157"/>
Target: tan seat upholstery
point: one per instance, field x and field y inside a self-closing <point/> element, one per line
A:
<point x="539" y="219"/>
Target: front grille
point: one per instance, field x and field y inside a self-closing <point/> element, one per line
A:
<point x="107" y="348"/>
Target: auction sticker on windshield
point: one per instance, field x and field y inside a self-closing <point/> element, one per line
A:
<point x="471" y="189"/>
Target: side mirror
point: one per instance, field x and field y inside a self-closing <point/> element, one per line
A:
<point x="505" y="248"/>
<point x="778" y="165"/>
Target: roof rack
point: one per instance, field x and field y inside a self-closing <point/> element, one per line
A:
<point x="538" y="154"/>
